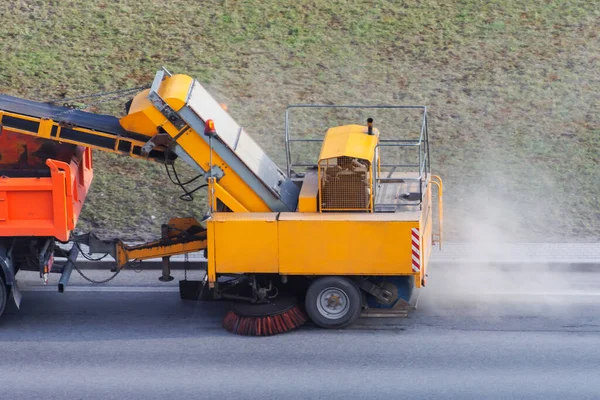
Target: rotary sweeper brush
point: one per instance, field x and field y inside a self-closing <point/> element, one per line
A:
<point x="346" y="233"/>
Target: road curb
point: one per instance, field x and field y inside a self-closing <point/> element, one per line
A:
<point x="522" y="265"/>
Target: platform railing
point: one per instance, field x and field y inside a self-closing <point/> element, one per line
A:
<point x="422" y="167"/>
<point x="382" y="171"/>
<point x="290" y="139"/>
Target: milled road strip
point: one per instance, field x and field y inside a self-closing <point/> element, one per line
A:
<point x="122" y="289"/>
<point x="170" y="289"/>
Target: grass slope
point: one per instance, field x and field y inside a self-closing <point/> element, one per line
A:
<point x="512" y="88"/>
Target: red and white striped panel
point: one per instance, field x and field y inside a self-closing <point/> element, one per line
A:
<point x="416" y="250"/>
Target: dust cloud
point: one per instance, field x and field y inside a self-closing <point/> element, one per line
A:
<point x="498" y="273"/>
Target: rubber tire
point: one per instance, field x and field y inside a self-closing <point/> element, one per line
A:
<point x="355" y="299"/>
<point x="3" y="295"/>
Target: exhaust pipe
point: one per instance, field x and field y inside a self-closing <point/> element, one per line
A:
<point x="68" y="268"/>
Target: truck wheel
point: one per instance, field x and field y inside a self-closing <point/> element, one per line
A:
<point x="333" y="302"/>
<point x="3" y="295"/>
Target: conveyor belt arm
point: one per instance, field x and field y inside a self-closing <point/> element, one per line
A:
<point x="101" y="132"/>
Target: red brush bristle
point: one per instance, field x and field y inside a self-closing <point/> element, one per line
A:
<point x="266" y="325"/>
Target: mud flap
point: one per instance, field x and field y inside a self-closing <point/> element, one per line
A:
<point x="16" y="294"/>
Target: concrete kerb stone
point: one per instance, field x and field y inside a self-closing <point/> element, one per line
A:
<point x="518" y="253"/>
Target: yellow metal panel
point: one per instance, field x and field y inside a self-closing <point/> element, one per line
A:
<point x="350" y="141"/>
<point x="317" y="246"/>
<point x="143" y="116"/>
<point x="405" y="216"/>
<point x="258" y="216"/>
<point x="45" y="128"/>
<point x="175" y="89"/>
<point x="307" y="201"/>
<point x="246" y="242"/>
<point x="216" y="191"/>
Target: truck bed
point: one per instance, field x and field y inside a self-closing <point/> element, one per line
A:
<point x="43" y="186"/>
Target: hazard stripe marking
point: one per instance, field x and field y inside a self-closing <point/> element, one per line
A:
<point x="416" y="250"/>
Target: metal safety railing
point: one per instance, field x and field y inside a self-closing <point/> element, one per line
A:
<point x="384" y="173"/>
<point x="437" y="181"/>
<point x="417" y="172"/>
<point x="289" y="139"/>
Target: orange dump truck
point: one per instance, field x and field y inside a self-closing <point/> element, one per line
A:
<point x="44" y="180"/>
<point x="43" y="186"/>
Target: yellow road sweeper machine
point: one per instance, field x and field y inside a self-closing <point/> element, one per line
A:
<point x="342" y="233"/>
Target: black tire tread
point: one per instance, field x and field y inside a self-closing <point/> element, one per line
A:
<point x="354" y="297"/>
<point x="3" y="295"/>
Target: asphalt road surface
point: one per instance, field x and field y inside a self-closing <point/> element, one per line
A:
<point x="520" y="333"/>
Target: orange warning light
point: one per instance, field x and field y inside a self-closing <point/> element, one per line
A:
<point x="209" y="128"/>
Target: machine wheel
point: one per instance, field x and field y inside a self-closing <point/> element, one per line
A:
<point x="333" y="302"/>
<point x="3" y="295"/>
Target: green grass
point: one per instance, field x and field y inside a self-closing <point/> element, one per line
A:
<point x="511" y="86"/>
